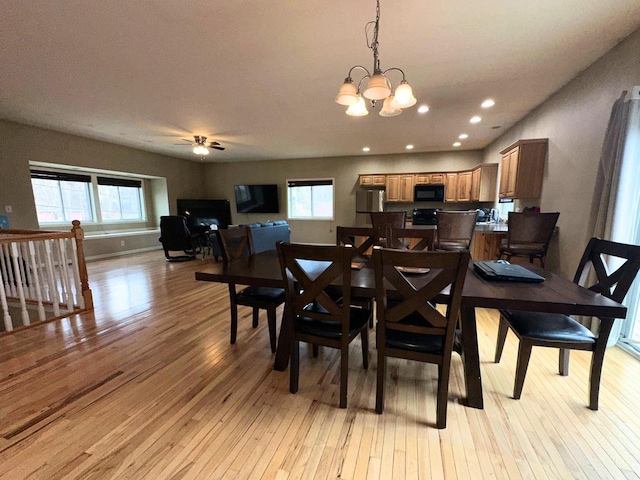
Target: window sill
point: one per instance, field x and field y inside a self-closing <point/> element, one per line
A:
<point x="122" y="233"/>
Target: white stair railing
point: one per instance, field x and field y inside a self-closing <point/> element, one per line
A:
<point x="44" y="276"/>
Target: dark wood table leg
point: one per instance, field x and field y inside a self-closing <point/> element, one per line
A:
<point x="284" y="343"/>
<point x="471" y="358"/>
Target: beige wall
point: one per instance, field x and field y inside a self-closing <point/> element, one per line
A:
<point x="221" y="177"/>
<point x="575" y="120"/>
<point x="21" y="144"/>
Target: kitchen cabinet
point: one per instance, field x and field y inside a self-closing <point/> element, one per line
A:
<point x="483" y="182"/>
<point x="429" y="179"/>
<point x="399" y="188"/>
<point x="373" y="181"/>
<point x="463" y="192"/>
<point x="522" y="168"/>
<point x="451" y="187"/>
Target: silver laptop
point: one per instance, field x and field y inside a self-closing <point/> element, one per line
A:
<point x="500" y="270"/>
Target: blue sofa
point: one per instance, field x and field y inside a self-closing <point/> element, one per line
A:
<point x="265" y="236"/>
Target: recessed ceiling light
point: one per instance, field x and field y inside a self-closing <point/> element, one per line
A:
<point x="457" y="144"/>
<point x="423" y="108"/>
<point x="488" y="103"/>
<point x="365" y="149"/>
<point x="463" y="136"/>
<point x="409" y="147"/>
<point x="475" y="119"/>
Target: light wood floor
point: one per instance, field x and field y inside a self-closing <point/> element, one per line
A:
<point x="148" y="386"/>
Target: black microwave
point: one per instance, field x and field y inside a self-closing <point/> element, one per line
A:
<point x="428" y="193"/>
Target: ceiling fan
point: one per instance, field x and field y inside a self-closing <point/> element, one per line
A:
<point x="200" y="145"/>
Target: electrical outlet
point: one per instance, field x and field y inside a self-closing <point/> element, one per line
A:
<point x="122" y="243"/>
<point x="8" y="208"/>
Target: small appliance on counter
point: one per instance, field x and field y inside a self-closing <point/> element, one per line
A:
<point x="424" y="216"/>
<point x="368" y="201"/>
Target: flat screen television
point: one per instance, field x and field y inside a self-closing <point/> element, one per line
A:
<point x="202" y="213"/>
<point x="257" y="198"/>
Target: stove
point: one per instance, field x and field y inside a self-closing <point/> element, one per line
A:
<point x="424" y="216"/>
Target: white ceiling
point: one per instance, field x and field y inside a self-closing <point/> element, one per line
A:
<point x="260" y="77"/>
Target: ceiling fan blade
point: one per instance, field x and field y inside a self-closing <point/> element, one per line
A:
<point x="215" y="143"/>
<point x="217" y="148"/>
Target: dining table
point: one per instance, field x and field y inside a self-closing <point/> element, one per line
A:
<point x="555" y="294"/>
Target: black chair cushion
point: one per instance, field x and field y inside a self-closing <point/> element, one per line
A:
<point x="548" y="326"/>
<point x="264" y="294"/>
<point x="416" y="342"/>
<point x="358" y="318"/>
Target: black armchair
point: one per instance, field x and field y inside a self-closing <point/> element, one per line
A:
<point x="175" y="236"/>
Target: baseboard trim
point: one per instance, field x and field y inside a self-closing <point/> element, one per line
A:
<point x="120" y="254"/>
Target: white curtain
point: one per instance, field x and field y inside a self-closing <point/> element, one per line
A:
<point x="625" y="221"/>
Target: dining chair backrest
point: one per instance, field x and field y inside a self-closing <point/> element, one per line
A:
<point x="235" y="243"/>
<point x="413" y="295"/>
<point x="455" y="229"/>
<point x="411" y="239"/>
<point x="362" y="239"/>
<point x="309" y="271"/>
<point x="615" y="265"/>
<point x="384" y="220"/>
<point x="533" y="229"/>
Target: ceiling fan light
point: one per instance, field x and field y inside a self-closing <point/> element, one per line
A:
<point x="404" y="96"/>
<point x="377" y="88"/>
<point x="358" y="109"/>
<point x="200" y="150"/>
<point x="348" y="94"/>
<point x="388" y="110"/>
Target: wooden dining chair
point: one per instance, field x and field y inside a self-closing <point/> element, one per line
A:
<point x="454" y="230"/>
<point x="528" y="235"/>
<point x="313" y="315"/>
<point x="409" y="324"/>
<point x="411" y="239"/>
<point x="362" y="239"/>
<point x="565" y="333"/>
<point x="385" y="221"/>
<point x="235" y="244"/>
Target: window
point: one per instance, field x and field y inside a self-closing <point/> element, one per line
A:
<point x="310" y="199"/>
<point x="61" y="197"/>
<point x="119" y="199"/>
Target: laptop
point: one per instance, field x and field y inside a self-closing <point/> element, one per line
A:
<point x="505" y="272"/>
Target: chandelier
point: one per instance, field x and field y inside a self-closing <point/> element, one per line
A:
<point x="378" y="86"/>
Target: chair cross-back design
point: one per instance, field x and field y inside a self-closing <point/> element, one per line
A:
<point x="236" y="244"/>
<point x="409" y="324"/>
<point x="313" y="314"/>
<point x="362" y="239"/>
<point x="529" y="235"/>
<point x="401" y="238"/>
<point x="565" y="333"/>
<point x="455" y="230"/>
<point x="350" y="235"/>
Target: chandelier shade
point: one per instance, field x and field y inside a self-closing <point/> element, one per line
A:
<point x="378" y="86"/>
<point x="358" y="109"/>
<point x="377" y="89"/>
<point x="388" y="110"/>
<point x="348" y="94"/>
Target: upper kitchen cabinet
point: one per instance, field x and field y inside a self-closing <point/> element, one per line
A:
<point x="451" y="187"/>
<point x="399" y="188"/>
<point x="463" y="192"/>
<point x="373" y="181"/>
<point x="429" y="179"/>
<point x="522" y="168"/>
<point x="483" y="182"/>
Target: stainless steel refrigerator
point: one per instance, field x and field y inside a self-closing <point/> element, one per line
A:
<point x="368" y="201"/>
